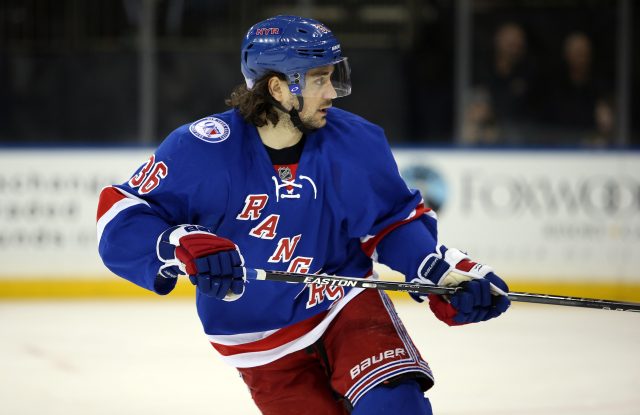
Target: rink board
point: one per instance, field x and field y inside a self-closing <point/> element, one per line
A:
<point x="564" y="222"/>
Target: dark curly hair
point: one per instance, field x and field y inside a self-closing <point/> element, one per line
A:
<point x="256" y="104"/>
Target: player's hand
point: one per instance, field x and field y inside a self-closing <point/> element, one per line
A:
<point x="214" y="264"/>
<point x="481" y="295"/>
<point x="474" y="301"/>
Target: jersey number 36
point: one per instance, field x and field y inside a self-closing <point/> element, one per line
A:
<point x="148" y="178"/>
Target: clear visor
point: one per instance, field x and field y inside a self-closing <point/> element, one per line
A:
<point x="329" y="81"/>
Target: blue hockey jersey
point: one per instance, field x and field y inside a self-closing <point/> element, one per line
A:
<point x="345" y="207"/>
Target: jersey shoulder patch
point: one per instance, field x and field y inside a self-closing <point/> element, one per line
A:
<point x="210" y="129"/>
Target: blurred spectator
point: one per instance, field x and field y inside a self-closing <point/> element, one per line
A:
<point x="509" y="82"/>
<point x="577" y="108"/>
<point x="604" y="134"/>
<point x="480" y="124"/>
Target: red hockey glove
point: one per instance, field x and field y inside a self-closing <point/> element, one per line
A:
<point x="482" y="294"/>
<point x="214" y="264"/>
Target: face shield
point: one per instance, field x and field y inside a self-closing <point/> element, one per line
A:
<point x="329" y="81"/>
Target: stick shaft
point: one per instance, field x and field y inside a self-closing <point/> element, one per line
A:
<point x="574" y="301"/>
<point x="423" y="289"/>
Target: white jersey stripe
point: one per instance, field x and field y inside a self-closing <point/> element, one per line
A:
<point x="119" y="206"/>
<point x="242" y="338"/>
<point x="263" y="357"/>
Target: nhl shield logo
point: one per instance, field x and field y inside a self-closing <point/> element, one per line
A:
<point x="285" y="173"/>
<point x="210" y="129"/>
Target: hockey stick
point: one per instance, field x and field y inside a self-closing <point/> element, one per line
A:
<point x="423" y="289"/>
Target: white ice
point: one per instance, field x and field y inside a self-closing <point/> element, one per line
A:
<point x="149" y="357"/>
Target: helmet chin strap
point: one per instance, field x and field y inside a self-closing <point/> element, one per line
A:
<point x="294" y="114"/>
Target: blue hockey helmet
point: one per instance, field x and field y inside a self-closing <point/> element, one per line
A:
<point x="292" y="46"/>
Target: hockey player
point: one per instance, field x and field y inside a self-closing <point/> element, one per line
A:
<point x="285" y="181"/>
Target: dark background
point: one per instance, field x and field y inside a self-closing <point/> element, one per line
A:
<point x="70" y="69"/>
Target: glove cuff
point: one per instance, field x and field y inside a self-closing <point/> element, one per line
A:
<point x="435" y="267"/>
<point x="170" y="239"/>
<point x="166" y="246"/>
<point x="450" y="267"/>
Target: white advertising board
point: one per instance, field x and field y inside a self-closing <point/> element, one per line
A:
<point x="542" y="215"/>
<point x="48" y="203"/>
<point x="573" y="215"/>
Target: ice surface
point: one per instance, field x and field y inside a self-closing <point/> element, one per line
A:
<point x="150" y="357"/>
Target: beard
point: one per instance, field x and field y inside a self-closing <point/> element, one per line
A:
<point x="312" y="123"/>
<point x="314" y="120"/>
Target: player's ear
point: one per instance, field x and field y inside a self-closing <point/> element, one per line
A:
<point x="278" y="90"/>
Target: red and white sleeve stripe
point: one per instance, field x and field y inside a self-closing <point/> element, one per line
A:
<point x="113" y="200"/>
<point x="370" y="242"/>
